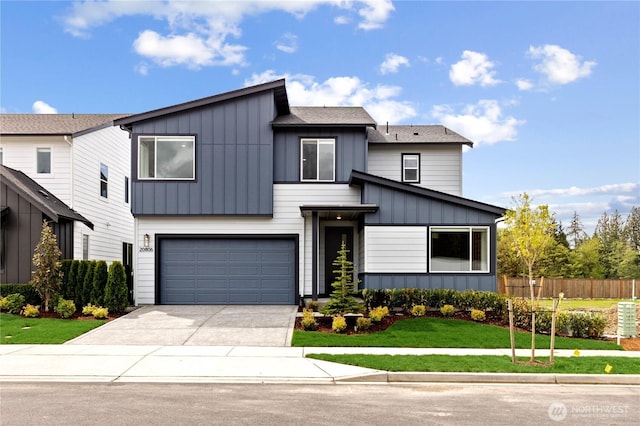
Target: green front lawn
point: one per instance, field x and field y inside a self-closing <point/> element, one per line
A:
<point x="486" y="364"/>
<point x="578" y="304"/>
<point x="429" y="332"/>
<point x="15" y="329"/>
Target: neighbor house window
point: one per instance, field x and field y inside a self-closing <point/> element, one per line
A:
<point x="126" y="189"/>
<point x="411" y="167"/>
<point x="318" y="160"/>
<point x="166" y="157"/>
<point x="85" y="247"/>
<point x="104" y="180"/>
<point x="459" y="249"/>
<point x="1" y="156"/>
<point x="43" y="160"/>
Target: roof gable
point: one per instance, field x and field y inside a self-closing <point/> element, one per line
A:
<point x="39" y="196"/>
<point x="278" y="88"/>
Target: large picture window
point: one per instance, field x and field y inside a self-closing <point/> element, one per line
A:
<point x="318" y="160"/>
<point x="166" y="157"/>
<point x="459" y="249"/>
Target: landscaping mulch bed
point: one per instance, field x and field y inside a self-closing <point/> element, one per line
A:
<point x="78" y="315"/>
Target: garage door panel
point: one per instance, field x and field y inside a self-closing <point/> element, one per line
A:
<point x="227" y="271"/>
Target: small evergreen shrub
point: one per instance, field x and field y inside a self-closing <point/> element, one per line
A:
<point x="67" y="290"/>
<point x="587" y="324"/>
<point x="116" y="293"/>
<point x="521" y="314"/>
<point x="313" y="305"/>
<point x="87" y="285"/>
<point x="447" y="310"/>
<point x="12" y="303"/>
<point x="31" y="311"/>
<point x="363" y="323"/>
<point x="478" y="315"/>
<point x="378" y="313"/>
<point x="308" y="320"/>
<point x="88" y="310"/>
<point x="100" y="312"/>
<point x="27" y="290"/>
<point x="99" y="282"/>
<point x="418" y="310"/>
<point x="339" y="324"/>
<point x="65" y="308"/>
<point x="47" y="276"/>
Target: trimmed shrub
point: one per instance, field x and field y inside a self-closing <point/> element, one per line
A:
<point x="116" y="292"/>
<point x="26" y="290"/>
<point x="377" y="314"/>
<point x="447" y="310"/>
<point x="66" y="289"/>
<point x="65" y="308"/>
<point x="363" y="323"/>
<point x="308" y="320"/>
<point x="31" y="311"/>
<point x="12" y="303"/>
<point x="521" y="314"/>
<point x="478" y="315"/>
<point x="312" y="305"/>
<point x="418" y="310"/>
<point x="83" y="265"/>
<point x="339" y="324"/>
<point x="72" y="281"/>
<point x="587" y="324"/>
<point x="100" y="275"/>
<point x="100" y="313"/>
<point x="88" y="310"/>
<point x="373" y="297"/>
<point x="87" y="285"/>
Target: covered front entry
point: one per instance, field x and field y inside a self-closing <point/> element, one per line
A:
<point x="234" y="270"/>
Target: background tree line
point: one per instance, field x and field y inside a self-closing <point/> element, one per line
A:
<point x="613" y="251"/>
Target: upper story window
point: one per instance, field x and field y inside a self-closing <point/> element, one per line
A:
<point x="166" y="157"/>
<point x="411" y="167"/>
<point x="318" y="160"/>
<point x="43" y="160"/>
<point x="1" y="156"/>
<point x="459" y="249"/>
<point x="104" y="180"/>
<point x="126" y="189"/>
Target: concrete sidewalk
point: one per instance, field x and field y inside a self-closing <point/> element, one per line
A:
<point x="252" y="364"/>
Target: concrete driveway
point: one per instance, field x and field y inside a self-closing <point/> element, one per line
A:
<point x="210" y="325"/>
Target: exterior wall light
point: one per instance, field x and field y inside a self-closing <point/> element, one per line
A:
<point x="146" y="240"/>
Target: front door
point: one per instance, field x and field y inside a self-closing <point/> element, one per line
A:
<point x="333" y="238"/>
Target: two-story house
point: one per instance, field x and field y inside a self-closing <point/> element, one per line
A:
<point x="239" y="198"/>
<point x="83" y="162"/>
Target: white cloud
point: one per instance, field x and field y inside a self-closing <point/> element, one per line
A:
<point x="342" y="91"/>
<point x="558" y="65"/>
<point x="474" y="68"/>
<point x="288" y="43"/>
<point x="199" y="31"/>
<point x="483" y="123"/>
<point x="392" y="63"/>
<point x="41" y="107"/>
<point x="524" y="84"/>
<point x="574" y="191"/>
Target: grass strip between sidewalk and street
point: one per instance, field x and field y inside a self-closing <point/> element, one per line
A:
<point x="429" y="332"/>
<point x="486" y="364"/>
<point x="15" y="329"/>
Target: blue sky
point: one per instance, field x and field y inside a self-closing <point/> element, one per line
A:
<point x="548" y="91"/>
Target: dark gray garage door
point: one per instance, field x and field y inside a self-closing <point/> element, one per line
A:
<point x="227" y="271"/>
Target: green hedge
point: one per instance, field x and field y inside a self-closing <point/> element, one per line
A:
<point x="27" y="290"/>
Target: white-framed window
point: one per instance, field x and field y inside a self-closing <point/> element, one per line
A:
<point x="166" y="157"/>
<point x="85" y="247"/>
<point x="104" y="180"/>
<point x="43" y="161"/>
<point x="411" y="167"/>
<point x="317" y="160"/>
<point x="459" y="249"/>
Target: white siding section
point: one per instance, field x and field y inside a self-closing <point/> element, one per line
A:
<point x="287" y="219"/>
<point x="440" y="165"/>
<point x="395" y="249"/>
<point x="111" y="216"/>
<point x="19" y="152"/>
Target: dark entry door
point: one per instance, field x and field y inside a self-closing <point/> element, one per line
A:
<point x="333" y="238"/>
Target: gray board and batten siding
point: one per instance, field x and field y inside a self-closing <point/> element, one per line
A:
<point x="350" y="151"/>
<point x="233" y="159"/>
<point x="402" y="204"/>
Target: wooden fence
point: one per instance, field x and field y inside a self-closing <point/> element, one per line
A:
<point x="573" y="288"/>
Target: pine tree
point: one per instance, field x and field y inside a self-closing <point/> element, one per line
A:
<point x="576" y="233"/>
<point x="47" y="276"/>
<point x="632" y="228"/>
<point x="341" y="299"/>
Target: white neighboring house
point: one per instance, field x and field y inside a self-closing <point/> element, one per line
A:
<point x="84" y="161"/>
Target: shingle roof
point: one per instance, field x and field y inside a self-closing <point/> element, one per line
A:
<point x="53" y="124"/>
<point x="325" y="116"/>
<point x="37" y="195"/>
<point x="416" y="134"/>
